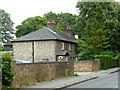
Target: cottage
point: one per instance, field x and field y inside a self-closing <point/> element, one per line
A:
<point x="45" y="44"/>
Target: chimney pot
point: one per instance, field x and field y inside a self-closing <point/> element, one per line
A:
<point x="52" y="24"/>
<point x="68" y="27"/>
<point x="51" y="21"/>
<point x="69" y="31"/>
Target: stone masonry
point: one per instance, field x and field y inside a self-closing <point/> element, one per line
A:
<point x="22" y="51"/>
<point x="35" y="72"/>
<point x="43" y="50"/>
<point x="87" y="66"/>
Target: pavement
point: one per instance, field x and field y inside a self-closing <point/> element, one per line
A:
<point x="69" y="81"/>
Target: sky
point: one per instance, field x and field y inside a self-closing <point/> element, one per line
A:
<point x="20" y="10"/>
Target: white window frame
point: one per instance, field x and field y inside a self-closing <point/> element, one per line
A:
<point x="62" y="46"/>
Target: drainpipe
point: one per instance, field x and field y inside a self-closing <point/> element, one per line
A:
<point x="33" y="51"/>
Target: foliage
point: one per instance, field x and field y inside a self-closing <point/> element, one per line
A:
<point x="25" y="80"/>
<point x="41" y="78"/>
<point x="86" y="55"/>
<point x="1" y="47"/>
<point x="66" y="19"/>
<point x="34" y="23"/>
<point x="105" y="61"/>
<point x="71" y="59"/>
<point x="7" y="74"/>
<point x="30" y="24"/>
<point x="6" y="27"/>
<point x="51" y="16"/>
<point x="108" y="59"/>
<point x="72" y="75"/>
<point x="97" y="24"/>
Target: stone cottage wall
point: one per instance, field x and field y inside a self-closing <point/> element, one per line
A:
<point x="22" y="51"/>
<point x="44" y="51"/>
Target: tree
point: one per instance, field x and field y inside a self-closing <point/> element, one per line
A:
<point x="6" y="27"/>
<point x="31" y="24"/>
<point x="51" y="16"/>
<point x="66" y="19"/>
<point x="62" y="20"/>
<point x="98" y="25"/>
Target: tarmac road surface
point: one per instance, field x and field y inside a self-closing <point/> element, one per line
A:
<point x="108" y="81"/>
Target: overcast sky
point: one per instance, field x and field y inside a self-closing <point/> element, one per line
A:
<point x="22" y="9"/>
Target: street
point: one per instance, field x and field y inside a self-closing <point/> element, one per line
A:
<point x="108" y="81"/>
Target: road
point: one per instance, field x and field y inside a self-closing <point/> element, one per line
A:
<point x="107" y="81"/>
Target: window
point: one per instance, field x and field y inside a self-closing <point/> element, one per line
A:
<point x="70" y="47"/>
<point x="62" y="46"/>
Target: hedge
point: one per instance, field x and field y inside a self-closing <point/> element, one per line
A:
<point x="106" y="61"/>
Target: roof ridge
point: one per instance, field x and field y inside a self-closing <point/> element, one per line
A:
<point x="51" y="31"/>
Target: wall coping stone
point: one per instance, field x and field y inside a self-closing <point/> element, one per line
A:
<point x="44" y="62"/>
<point x="54" y="62"/>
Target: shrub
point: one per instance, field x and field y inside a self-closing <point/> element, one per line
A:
<point x="40" y="78"/>
<point x="105" y="61"/>
<point x="71" y="59"/>
<point x="7" y="74"/>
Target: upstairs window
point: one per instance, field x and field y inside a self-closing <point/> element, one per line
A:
<point x="62" y="46"/>
<point x="70" y="47"/>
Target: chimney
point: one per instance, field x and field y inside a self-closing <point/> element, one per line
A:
<point x="68" y="31"/>
<point x="52" y="25"/>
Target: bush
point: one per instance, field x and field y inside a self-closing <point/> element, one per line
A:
<point x="107" y="61"/>
<point x="71" y="59"/>
<point x="7" y="74"/>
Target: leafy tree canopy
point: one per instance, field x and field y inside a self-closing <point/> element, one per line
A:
<point x="34" y="23"/>
<point x="31" y="24"/>
<point x="98" y="25"/>
<point x="51" y="16"/>
<point x="6" y="27"/>
<point x="66" y="19"/>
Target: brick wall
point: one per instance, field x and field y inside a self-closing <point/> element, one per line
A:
<point x="86" y="66"/>
<point x="30" y="73"/>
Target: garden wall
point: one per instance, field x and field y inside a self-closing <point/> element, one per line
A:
<point x="87" y="66"/>
<point x="36" y="72"/>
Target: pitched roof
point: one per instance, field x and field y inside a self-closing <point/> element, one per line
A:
<point x="45" y="34"/>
